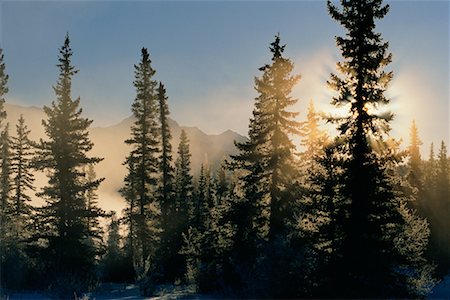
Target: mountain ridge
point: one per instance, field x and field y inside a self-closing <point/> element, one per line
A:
<point x="109" y="144"/>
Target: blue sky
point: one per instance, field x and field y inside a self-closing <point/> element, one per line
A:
<point x="208" y="52"/>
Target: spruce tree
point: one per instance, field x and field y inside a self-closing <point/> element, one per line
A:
<point x="4" y="205"/>
<point x="23" y="178"/>
<point x="267" y="163"/>
<point x="443" y="182"/>
<point x="166" y="193"/>
<point x="184" y="207"/>
<point x="6" y="173"/>
<point x="5" y="191"/>
<point x="319" y="231"/>
<point x="165" y="163"/>
<point x="95" y="231"/>
<point x="184" y="188"/>
<point x="68" y="258"/>
<point x="371" y="261"/>
<point x="314" y="139"/>
<point x="441" y="212"/>
<point x="203" y="198"/>
<point x="142" y="181"/>
<point x="268" y="155"/>
<point x="415" y="174"/>
<point x="429" y="176"/>
<point x="129" y="193"/>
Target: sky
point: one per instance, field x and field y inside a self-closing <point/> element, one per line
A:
<point x="207" y="54"/>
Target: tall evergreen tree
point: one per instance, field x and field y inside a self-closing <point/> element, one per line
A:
<point x="63" y="156"/>
<point x="129" y="193"/>
<point x="372" y="263"/>
<point x="6" y="229"/>
<point x="166" y="167"/>
<point x="183" y="198"/>
<point x="415" y="175"/>
<point x="144" y="168"/>
<point x="3" y="204"/>
<point x="15" y="179"/>
<point x="319" y="233"/>
<point x="267" y="163"/>
<point x="268" y="154"/>
<point x="166" y="192"/>
<point x="441" y="211"/>
<point x="6" y="173"/>
<point x="184" y="188"/>
<point x="23" y="177"/>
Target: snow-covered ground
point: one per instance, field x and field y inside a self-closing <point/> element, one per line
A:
<point x="168" y="292"/>
<point x="123" y="292"/>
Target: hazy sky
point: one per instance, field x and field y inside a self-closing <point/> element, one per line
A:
<point x="208" y="52"/>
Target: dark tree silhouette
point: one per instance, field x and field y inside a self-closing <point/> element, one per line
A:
<point x="23" y="177"/>
<point x="184" y="187"/>
<point x="69" y="260"/>
<point x="372" y="261"/>
<point x="415" y="174"/>
<point x="5" y="175"/>
<point x="184" y="207"/>
<point x="142" y="180"/>
<point x="168" y="253"/>
<point x="440" y="211"/>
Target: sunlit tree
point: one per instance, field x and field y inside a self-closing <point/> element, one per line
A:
<point x="314" y="138"/>
<point x="266" y="161"/>
<point x="267" y="157"/>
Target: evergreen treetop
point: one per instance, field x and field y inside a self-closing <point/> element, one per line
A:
<point x="3" y="86"/>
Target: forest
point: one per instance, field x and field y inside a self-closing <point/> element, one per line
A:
<point x="347" y="216"/>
